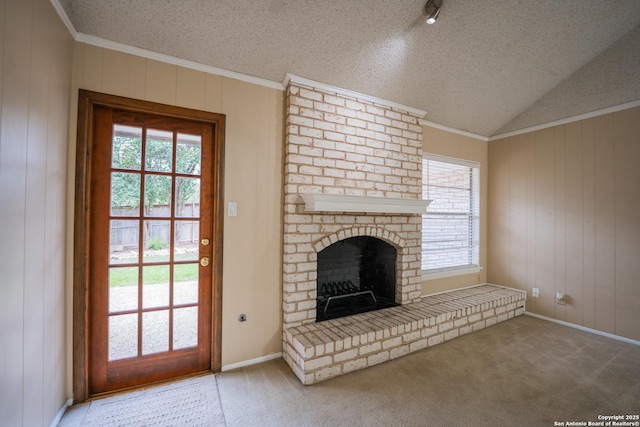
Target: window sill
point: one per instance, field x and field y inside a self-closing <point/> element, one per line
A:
<point x="450" y="273"/>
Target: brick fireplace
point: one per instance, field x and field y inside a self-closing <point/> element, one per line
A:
<point x="361" y="154"/>
<point x="353" y="170"/>
<point x="338" y="145"/>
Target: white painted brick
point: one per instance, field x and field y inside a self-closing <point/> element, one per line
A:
<point x="310" y="151"/>
<point x="294" y="317"/>
<point x="310" y="94"/>
<point x="300" y="140"/>
<point x="296" y="158"/>
<point x="479" y="325"/>
<point x="311" y="113"/>
<point x="354" y="365"/>
<point x="451" y="334"/>
<point x="345" y="165"/>
<point x="393" y="342"/>
<point x="365" y="116"/>
<point x="357" y="123"/>
<point x="383" y="120"/>
<point x="475" y="317"/>
<point x="445" y="326"/>
<point x="353" y="157"/>
<point x="310" y="132"/>
<point x="419" y="345"/>
<point x="345" y="112"/>
<point x="428" y="332"/>
<point x="375" y="110"/>
<point x="326" y="373"/>
<point x="411" y="336"/>
<point x="302" y="121"/>
<point x="393" y="115"/>
<point x="301" y="102"/>
<point x="355" y="175"/>
<point x="466" y="329"/>
<point x="399" y="351"/>
<point x="460" y="322"/>
<point x="436" y="339"/>
<point x="354" y="105"/>
<point x="330" y="99"/>
<point x="378" y="358"/>
<point x="369" y="348"/>
<point x="330" y="163"/>
<point x="399" y="124"/>
<point x="345" y="355"/>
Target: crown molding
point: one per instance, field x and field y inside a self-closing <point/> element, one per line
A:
<point x="65" y="18"/>
<point x="452" y="130"/>
<point x="568" y="120"/>
<point x="292" y="78"/>
<point x="149" y="54"/>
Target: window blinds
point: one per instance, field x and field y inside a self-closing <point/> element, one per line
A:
<point x="451" y="226"/>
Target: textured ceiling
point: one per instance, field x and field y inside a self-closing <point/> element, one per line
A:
<point x="481" y="65"/>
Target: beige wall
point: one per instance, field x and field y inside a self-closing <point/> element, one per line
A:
<point x="35" y="73"/>
<point x="564" y="211"/>
<point x="253" y="179"/>
<point x="443" y="143"/>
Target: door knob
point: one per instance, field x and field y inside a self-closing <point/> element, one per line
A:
<point x="204" y="261"/>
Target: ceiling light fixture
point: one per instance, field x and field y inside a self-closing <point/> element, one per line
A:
<point x="433" y="10"/>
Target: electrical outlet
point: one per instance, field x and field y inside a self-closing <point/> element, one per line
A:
<point x="535" y="292"/>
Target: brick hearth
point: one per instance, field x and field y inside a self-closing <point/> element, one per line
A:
<point x="319" y="351"/>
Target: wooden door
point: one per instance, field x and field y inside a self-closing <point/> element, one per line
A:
<point x="152" y="248"/>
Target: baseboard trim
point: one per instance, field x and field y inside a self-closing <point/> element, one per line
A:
<point x="251" y="362"/>
<point x="584" y="328"/>
<point x="61" y="412"/>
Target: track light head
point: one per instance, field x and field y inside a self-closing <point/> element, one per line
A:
<point x="433" y="10"/>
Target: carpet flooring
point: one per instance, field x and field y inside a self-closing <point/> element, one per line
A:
<point x="522" y="372"/>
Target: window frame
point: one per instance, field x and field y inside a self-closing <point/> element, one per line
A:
<point x="475" y="194"/>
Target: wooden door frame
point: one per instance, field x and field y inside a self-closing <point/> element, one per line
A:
<point x="87" y="102"/>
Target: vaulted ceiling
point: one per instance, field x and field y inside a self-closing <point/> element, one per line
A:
<point x="483" y="64"/>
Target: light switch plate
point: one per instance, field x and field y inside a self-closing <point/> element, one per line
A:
<point x="233" y="209"/>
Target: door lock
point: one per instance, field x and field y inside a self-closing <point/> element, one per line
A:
<point x="204" y="261"/>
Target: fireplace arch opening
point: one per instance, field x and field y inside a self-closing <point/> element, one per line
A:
<point x="355" y="275"/>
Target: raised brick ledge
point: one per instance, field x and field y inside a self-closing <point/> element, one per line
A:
<point x="319" y="351"/>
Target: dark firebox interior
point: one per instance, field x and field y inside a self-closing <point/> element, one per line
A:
<point x="355" y="275"/>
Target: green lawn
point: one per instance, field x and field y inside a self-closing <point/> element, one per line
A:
<point x="128" y="276"/>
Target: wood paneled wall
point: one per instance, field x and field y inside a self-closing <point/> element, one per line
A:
<point x="564" y="215"/>
<point x="253" y="178"/>
<point x="35" y="74"/>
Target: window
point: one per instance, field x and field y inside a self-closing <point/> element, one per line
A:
<point x="451" y="226"/>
